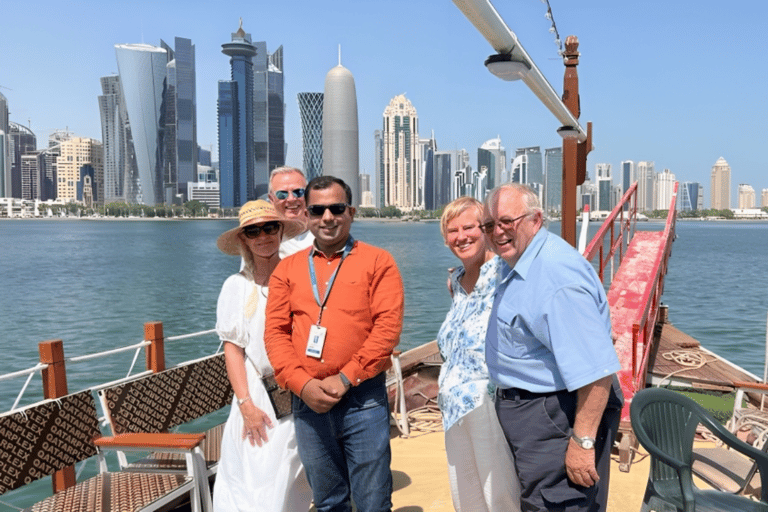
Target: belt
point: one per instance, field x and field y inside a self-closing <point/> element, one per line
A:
<point x="515" y="393"/>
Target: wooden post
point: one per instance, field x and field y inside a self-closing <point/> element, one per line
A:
<point x="55" y="386"/>
<point x="574" y="153"/>
<point x="153" y="332"/>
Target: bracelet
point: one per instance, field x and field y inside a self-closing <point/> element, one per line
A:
<point x="241" y="401"/>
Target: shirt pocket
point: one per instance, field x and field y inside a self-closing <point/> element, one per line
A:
<point x="514" y="337"/>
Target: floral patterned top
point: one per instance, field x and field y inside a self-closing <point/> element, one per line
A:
<point x="464" y="375"/>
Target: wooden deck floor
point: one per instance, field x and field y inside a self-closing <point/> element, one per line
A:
<point x="708" y="370"/>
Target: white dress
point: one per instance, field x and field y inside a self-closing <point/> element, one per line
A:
<point x="250" y="478"/>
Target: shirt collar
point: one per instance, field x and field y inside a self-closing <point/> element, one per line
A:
<point x="316" y="251"/>
<point x="523" y="265"/>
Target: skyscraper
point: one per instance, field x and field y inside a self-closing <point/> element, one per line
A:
<point x="645" y="189"/>
<point x="158" y="97"/>
<point x="553" y="179"/>
<point x="627" y="175"/>
<point x="746" y="196"/>
<point x="5" y="167"/>
<point x="341" y="157"/>
<point x="237" y="161"/>
<point x="80" y="171"/>
<point x="21" y="141"/>
<point x="311" y="112"/>
<point x="401" y="159"/>
<point x="120" y="170"/>
<point x="428" y="149"/>
<point x="664" y="188"/>
<point x="764" y="197"/>
<point x="180" y="119"/>
<point x="527" y="167"/>
<point x="720" y="185"/>
<point x="493" y="157"/>
<point x="604" y="183"/>
<point x="691" y="196"/>
<point x="269" y="115"/>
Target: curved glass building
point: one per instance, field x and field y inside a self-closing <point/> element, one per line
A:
<point x="142" y="69"/>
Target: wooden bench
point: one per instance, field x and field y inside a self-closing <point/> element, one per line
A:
<point x="161" y="401"/>
<point x="47" y="437"/>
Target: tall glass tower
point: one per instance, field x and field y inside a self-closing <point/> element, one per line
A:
<point x="236" y="115"/>
<point x="311" y="111"/>
<point x="553" y="186"/>
<point x="269" y="115"/>
<point x="401" y="159"/>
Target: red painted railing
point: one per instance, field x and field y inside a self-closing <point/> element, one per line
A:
<point x="619" y="238"/>
<point x="615" y="247"/>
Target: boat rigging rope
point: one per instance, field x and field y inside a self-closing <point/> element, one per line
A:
<point x="689" y="359"/>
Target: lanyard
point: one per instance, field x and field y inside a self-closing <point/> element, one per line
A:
<point x="313" y="276"/>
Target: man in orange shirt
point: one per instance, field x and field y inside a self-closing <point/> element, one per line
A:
<point x="334" y="315"/>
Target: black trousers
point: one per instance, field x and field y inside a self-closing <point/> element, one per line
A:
<point x="538" y="427"/>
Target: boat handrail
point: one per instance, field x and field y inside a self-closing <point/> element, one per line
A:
<point x="652" y="298"/>
<point x="618" y="241"/>
<point x="137" y="347"/>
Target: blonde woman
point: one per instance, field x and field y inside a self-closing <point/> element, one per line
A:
<point x="480" y="463"/>
<point x="259" y="467"/>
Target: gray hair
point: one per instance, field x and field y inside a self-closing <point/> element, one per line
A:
<point x="284" y="170"/>
<point x="530" y="197"/>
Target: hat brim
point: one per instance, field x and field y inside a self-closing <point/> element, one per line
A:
<point x="229" y="241"/>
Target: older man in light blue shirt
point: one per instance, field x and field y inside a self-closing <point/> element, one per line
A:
<point x="550" y="353"/>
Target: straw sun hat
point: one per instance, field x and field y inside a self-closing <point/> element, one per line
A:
<point x="256" y="212"/>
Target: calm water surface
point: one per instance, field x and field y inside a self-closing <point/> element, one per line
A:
<point x="94" y="283"/>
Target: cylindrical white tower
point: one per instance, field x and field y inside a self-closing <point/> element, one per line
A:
<point x="340" y="133"/>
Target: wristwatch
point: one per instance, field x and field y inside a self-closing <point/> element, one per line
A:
<point x="588" y="443"/>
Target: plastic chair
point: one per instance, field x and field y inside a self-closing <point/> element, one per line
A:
<point x="665" y="423"/>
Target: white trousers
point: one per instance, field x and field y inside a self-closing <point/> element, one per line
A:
<point x="481" y="467"/>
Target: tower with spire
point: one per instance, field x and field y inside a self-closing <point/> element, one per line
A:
<point x="235" y="123"/>
<point x="340" y="132"/>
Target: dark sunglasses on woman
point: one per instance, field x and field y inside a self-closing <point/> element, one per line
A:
<point x="269" y="228"/>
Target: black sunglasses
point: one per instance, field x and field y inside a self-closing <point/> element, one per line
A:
<point x="283" y="194"/>
<point x="269" y="228"/>
<point x="316" y="210"/>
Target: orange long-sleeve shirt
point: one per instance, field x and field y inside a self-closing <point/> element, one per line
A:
<point x="363" y="315"/>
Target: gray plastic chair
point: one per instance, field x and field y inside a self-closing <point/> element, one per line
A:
<point x="665" y="423"/>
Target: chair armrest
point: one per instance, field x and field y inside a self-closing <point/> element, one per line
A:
<point x="155" y="441"/>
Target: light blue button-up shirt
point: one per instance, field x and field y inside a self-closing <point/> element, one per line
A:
<point x="550" y="326"/>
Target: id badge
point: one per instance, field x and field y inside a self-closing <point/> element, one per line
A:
<point x="316" y="341"/>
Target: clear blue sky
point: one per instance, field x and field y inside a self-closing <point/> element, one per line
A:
<point x="679" y="83"/>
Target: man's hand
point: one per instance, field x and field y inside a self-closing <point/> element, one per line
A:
<point x="317" y="396"/>
<point x="334" y="386"/>
<point x="580" y="465"/>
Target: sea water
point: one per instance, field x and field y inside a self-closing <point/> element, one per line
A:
<point x="94" y="283"/>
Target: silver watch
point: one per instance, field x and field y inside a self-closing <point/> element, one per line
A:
<point x="588" y="443"/>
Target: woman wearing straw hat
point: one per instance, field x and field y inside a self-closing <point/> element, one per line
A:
<point x="259" y="467"/>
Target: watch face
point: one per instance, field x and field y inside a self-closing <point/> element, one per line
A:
<point x="587" y="444"/>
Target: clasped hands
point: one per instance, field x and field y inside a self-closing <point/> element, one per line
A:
<point x="322" y="395"/>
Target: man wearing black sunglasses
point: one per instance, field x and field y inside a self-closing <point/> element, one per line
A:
<point x="286" y="192"/>
<point x="334" y="315"/>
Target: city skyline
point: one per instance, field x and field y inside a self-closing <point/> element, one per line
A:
<point x="650" y="98"/>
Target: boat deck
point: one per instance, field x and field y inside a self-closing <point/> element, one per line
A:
<point x="694" y="366"/>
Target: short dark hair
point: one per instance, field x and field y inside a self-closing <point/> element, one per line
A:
<point x="323" y="182"/>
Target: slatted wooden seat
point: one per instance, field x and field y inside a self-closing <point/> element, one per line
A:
<point x="49" y="436"/>
<point x="162" y="401"/>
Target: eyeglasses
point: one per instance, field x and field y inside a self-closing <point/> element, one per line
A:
<point x="317" y="210"/>
<point x="503" y="223"/>
<point x="283" y="194"/>
<point x="269" y="228"/>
